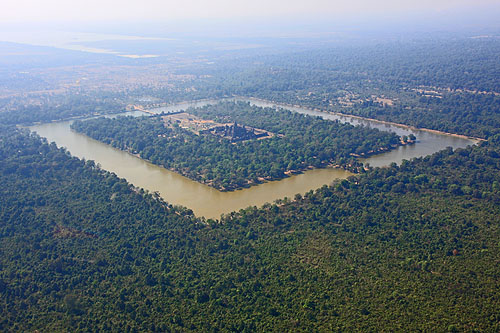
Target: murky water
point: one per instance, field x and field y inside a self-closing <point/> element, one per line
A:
<point x="208" y="202"/>
<point x="428" y="142"/>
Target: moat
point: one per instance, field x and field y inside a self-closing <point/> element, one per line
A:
<point x="208" y="202"/>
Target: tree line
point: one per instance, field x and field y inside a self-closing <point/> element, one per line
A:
<point x="299" y="142"/>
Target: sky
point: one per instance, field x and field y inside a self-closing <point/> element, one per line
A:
<point x="19" y="11"/>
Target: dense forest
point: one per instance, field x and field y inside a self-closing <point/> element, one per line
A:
<point x="464" y="113"/>
<point x="413" y="247"/>
<point x="57" y="108"/>
<point x="300" y="142"/>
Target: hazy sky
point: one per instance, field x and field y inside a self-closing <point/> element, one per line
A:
<point x="137" y="10"/>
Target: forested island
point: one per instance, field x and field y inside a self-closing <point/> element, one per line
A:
<point x="299" y="142"/>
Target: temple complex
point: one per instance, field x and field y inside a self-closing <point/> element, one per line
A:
<point x="229" y="131"/>
<point x="236" y="133"/>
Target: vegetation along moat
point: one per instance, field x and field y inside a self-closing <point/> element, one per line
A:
<point x="273" y="143"/>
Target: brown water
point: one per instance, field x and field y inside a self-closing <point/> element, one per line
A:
<point x="428" y="142"/>
<point x="208" y="202"/>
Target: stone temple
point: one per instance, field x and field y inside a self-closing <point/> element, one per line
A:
<point x="235" y="132"/>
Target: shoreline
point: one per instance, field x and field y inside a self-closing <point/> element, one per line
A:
<point x="410" y="127"/>
<point x="277" y="104"/>
<point x="261" y="180"/>
<point x="354" y="167"/>
<point x="246" y="195"/>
